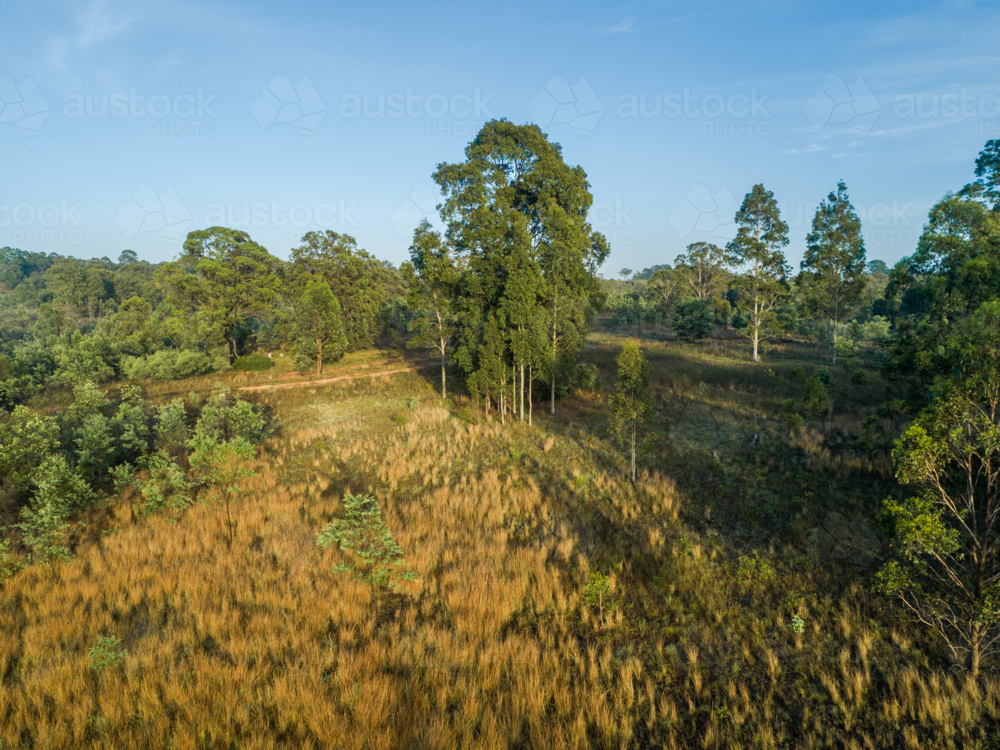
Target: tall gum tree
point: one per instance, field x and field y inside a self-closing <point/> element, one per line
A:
<point x="703" y="269"/>
<point x="833" y="268"/>
<point x="516" y="214"/>
<point x="757" y="256"/>
<point x="433" y="276"/>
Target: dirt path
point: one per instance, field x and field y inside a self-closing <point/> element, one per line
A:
<point x="324" y="381"/>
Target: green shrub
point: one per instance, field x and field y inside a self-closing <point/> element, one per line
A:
<point x="754" y="570"/>
<point x="817" y="398"/>
<point x="225" y="418"/>
<point x="597" y="592"/>
<point x="172" y="431"/>
<point x="166" y="488"/>
<point x="253" y="363"/>
<point x="167" y="364"/>
<point x="586" y="377"/>
<point x="9" y="565"/>
<point x="693" y="319"/>
<point x="107" y="654"/>
<point x="825" y="376"/>
<point x="365" y="539"/>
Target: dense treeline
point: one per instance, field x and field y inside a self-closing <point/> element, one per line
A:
<point x="67" y="321"/>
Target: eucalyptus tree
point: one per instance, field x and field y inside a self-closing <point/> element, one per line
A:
<point x="757" y="257"/>
<point x="516" y="216"/>
<point x="948" y="531"/>
<point x="631" y="403"/>
<point x="703" y="269"/>
<point x="433" y="275"/>
<point x="357" y="279"/>
<point x="833" y="269"/>
<point x="318" y="321"/>
<point x="223" y="277"/>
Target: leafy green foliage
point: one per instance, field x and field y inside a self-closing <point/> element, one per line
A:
<point x="9" y="565"/>
<point x="107" y="654"/>
<point x="360" y="283"/>
<point x="319" y="326"/>
<point x="833" y="268"/>
<point x="364" y="538"/>
<point x="948" y="534"/>
<point x="817" y="397"/>
<point x="44" y="525"/>
<point x="703" y="269"/>
<point x="516" y="225"/>
<point x="631" y="403"/>
<point x="693" y="319"/>
<point x="233" y="279"/>
<point x="166" y="487"/>
<point x="597" y="592"/>
<point x="172" y="432"/>
<point x="167" y="364"/>
<point x="434" y="277"/>
<point x="26" y="441"/>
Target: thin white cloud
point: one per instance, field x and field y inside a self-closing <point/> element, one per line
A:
<point x="624" y="26"/>
<point x="96" y="25"/>
<point x="810" y="149"/>
<point x="169" y="61"/>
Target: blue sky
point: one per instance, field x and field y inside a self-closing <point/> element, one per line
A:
<point x="127" y="124"/>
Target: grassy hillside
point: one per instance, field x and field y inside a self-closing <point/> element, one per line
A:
<point x="719" y="602"/>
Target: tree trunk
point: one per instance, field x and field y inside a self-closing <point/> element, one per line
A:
<point x="319" y="356"/>
<point x="444" y="393"/>
<point x="833" y="343"/>
<point x="529" y="396"/>
<point x="756" y="327"/>
<point x="503" y="394"/>
<point x="230" y="349"/>
<point x="973" y="660"/>
<point x="522" y="392"/>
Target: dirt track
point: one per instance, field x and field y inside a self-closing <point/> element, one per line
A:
<point x="324" y="381"/>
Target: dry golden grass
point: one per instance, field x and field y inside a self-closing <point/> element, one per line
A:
<point x="259" y="645"/>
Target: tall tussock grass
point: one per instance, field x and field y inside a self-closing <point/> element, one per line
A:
<point x="555" y="605"/>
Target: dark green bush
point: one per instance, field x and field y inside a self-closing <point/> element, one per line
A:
<point x="693" y="319"/>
